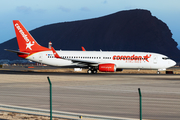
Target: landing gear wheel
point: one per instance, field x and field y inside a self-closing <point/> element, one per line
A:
<point x="89" y="71"/>
<point x="94" y="71"/>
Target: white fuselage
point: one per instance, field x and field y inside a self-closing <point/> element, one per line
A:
<point x="131" y="60"/>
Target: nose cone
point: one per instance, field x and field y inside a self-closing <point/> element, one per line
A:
<point x="172" y="63"/>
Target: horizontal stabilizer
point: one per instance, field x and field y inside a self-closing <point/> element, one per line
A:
<point x="18" y="52"/>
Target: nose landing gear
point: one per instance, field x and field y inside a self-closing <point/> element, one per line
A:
<point x="158" y="72"/>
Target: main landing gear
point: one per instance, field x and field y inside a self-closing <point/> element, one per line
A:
<point x="93" y="71"/>
<point x="158" y="72"/>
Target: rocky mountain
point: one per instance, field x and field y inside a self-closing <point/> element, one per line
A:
<point x="131" y="30"/>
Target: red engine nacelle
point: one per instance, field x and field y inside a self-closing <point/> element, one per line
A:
<point x="107" y="67"/>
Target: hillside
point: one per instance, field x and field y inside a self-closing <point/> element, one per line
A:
<point x="131" y="30"/>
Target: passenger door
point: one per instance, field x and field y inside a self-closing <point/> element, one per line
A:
<point x="40" y="57"/>
<point x="155" y="59"/>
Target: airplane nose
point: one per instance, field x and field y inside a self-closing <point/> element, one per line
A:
<point x="173" y="63"/>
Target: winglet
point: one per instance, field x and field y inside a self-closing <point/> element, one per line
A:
<point x="83" y="49"/>
<point x="55" y="53"/>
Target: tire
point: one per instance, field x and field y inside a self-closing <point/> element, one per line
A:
<point x="158" y="72"/>
<point x="94" y="71"/>
<point x="89" y="71"/>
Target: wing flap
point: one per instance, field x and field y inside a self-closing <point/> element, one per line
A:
<point x="83" y="61"/>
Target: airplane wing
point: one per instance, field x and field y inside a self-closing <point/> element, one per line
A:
<point x="74" y="60"/>
<point x="83" y="61"/>
<point x="18" y="52"/>
<point x="55" y="53"/>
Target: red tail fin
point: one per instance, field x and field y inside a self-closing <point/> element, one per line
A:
<point x="26" y="42"/>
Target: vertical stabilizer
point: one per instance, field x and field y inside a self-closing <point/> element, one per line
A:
<point x="25" y="41"/>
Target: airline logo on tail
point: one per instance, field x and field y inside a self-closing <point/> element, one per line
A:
<point x="28" y="45"/>
<point x="28" y="42"/>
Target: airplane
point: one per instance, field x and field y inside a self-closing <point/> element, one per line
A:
<point x="93" y="60"/>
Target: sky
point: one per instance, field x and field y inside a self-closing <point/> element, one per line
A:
<point x="36" y="13"/>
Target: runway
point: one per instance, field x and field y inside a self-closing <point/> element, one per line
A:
<point x="99" y="94"/>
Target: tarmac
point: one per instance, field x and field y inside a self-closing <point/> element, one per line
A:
<point x="105" y="94"/>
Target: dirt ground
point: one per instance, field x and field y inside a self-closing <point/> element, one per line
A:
<point x="18" y="116"/>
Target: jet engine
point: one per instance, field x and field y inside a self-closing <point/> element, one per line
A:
<point x="107" y="67"/>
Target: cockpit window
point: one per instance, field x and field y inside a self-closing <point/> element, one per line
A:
<point x="165" y="58"/>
